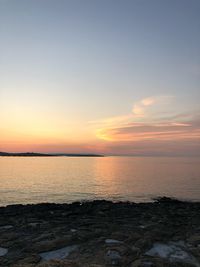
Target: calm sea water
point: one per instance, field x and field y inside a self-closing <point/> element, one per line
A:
<point x="67" y="179"/>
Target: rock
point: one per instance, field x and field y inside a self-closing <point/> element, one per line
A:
<point x="34" y="258"/>
<point x="59" y="263"/>
<point x="194" y="239"/>
<point x="59" y="253"/>
<point x="34" y="224"/>
<point x="6" y="227"/>
<point x="43" y="237"/>
<point x="113" y="257"/>
<point x="122" y="250"/>
<point x="135" y="250"/>
<point x="143" y="243"/>
<point x="8" y="236"/>
<point x="112" y="242"/>
<point x="3" y="251"/>
<point x="136" y="263"/>
<point x="196" y="252"/>
<point x="48" y="245"/>
<point x="173" y="252"/>
<point x="23" y="265"/>
<point x="147" y="264"/>
<point x="107" y="234"/>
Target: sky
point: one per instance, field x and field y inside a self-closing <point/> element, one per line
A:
<point x="118" y="77"/>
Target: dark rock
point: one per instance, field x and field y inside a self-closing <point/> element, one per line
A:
<point x="46" y="227"/>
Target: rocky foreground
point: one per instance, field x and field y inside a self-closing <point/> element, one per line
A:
<point x="101" y="233"/>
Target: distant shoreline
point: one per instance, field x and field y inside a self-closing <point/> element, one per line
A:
<point x="33" y="154"/>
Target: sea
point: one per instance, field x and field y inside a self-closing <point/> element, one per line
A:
<point x="67" y="179"/>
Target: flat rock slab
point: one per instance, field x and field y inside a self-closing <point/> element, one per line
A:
<point x="3" y="251"/>
<point x="172" y="251"/>
<point x="58" y="253"/>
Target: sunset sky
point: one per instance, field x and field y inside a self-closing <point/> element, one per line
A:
<point x="116" y="77"/>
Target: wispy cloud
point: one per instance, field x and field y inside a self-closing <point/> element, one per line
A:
<point x="152" y="131"/>
<point x="140" y="108"/>
<point x="147" y="123"/>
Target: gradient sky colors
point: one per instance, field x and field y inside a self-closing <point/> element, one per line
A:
<point x="99" y="76"/>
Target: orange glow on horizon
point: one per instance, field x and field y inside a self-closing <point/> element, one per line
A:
<point x="44" y="133"/>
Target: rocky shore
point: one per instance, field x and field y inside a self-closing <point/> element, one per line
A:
<point x="101" y="233"/>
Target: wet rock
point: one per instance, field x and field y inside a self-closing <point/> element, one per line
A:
<point x="172" y="252"/>
<point x="112" y="242"/>
<point x="59" y="263"/>
<point x="147" y="264"/>
<point x="122" y="250"/>
<point x="194" y="239"/>
<point x="196" y="252"/>
<point x="3" y="251"/>
<point x="135" y="251"/>
<point x="113" y="257"/>
<point x="107" y="234"/>
<point x="136" y="263"/>
<point x="59" y="253"/>
<point x="43" y="237"/>
<point x="31" y="259"/>
<point x="143" y="243"/>
<point x="6" y="227"/>
<point x="73" y="230"/>
<point x="95" y="265"/>
<point x="8" y="236"/>
<point x="50" y="244"/>
<point x="24" y="265"/>
<point x="34" y="224"/>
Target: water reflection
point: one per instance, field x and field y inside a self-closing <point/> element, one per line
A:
<point x="62" y="179"/>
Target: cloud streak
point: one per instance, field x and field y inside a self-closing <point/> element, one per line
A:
<point x="147" y="125"/>
<point x="153" y="131"/>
